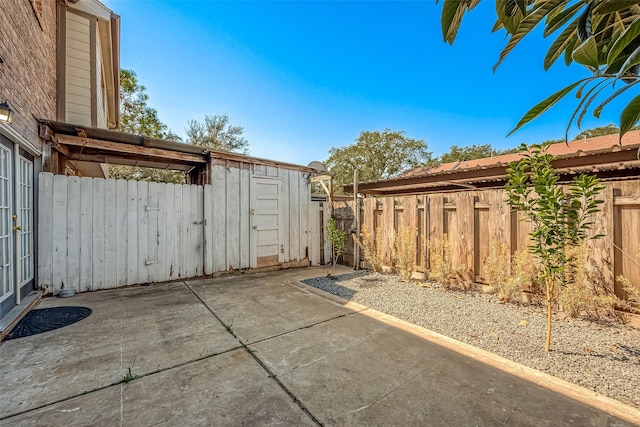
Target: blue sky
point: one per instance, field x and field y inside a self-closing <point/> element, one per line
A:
<point x="302" y="77"/>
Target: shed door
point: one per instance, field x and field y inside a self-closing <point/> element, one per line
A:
<point x="266" y="219"/>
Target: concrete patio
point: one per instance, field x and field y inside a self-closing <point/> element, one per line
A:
<point x="263" y="349"/>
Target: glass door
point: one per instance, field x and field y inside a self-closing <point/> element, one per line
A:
<point x="6" y="222"/>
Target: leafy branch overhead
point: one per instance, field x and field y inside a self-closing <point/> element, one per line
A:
<point x="601" y="35"/>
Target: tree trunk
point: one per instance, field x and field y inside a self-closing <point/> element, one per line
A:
<point x="550" y="284"/>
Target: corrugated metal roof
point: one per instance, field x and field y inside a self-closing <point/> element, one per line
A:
<point x="601" y="155"/>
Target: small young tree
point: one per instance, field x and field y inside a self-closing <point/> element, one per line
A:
<point x="337" y="238"/>
<point x="560" y="218"/>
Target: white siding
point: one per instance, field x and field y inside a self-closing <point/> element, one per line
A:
<point x="78" y="70"/>
<point x="101" y="98"/>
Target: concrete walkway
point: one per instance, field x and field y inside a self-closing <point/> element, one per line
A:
<point x="258" y="349"/>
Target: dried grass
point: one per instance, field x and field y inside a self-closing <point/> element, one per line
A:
<point x="404" y="252"/>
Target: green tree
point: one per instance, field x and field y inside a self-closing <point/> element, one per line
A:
<point x="561" y="217"/>
<point x="471" y="152"/>
<point x="137" y="118"/>
<point x="609" y="129"/>
<point x="601" y="35"/>
<point x="217" y="133"/>
<point x="376" y="155"/>
<point x="337" y="238"/>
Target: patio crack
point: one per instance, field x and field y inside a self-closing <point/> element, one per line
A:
<point x="270" y="374"/>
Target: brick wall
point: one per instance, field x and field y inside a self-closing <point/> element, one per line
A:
<point x="28" y="71"/>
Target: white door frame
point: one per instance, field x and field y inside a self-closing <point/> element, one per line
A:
<point x="253" y="252"/>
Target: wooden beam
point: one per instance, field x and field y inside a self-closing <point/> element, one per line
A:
<point x="143" y="152"/>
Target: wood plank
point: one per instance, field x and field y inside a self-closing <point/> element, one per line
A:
<point x="143" y="230"/>
<point x="286" y="217"/>
<point x="110" y="237"/>
<point x="60" y="208"/>
<point x="209" y="266"/>
<point x="305" y="207"/>
<point x="388" y="229"/>
<point x="132" y="233"/>
<point x="233" y="218"/>
<point x="436" y="217"/>
<point x="465" y="237"/>
<point x="198" y="230"/>
<point x="72" y="279"/>
<point x="153" y="232"/>
<point x="245" y="220"/>
<point x="115" y="147"/>
<point x="326" y="214"/>
<point x="178" y="267"/>
<point x="314" y="234"/>
<point x="219" y="218"/>
<point x="187" y="226"/>
<point x="86" y="234"/>
<point x="294" y="217"/>
<point x="162" y="270"/>
<point x="45" y="231"/>
<point x="171" y="234"/>
<point x="97" y="234"/>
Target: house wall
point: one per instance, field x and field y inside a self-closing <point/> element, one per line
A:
<point x="28" y="71"/>
<point x="78" y="88"/>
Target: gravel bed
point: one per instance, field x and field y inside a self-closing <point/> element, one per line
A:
<point x="601" y="356"/>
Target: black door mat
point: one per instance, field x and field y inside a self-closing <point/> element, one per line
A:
<point x="47" y="319"/>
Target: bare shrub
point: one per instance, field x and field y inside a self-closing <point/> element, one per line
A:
<point x="496" y="269"/>
<point x="440" y="264"/>
<point x="373" y="249"/>
<point x="404" y="252"/>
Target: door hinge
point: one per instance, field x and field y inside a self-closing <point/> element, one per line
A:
<point x="151" y="208"/>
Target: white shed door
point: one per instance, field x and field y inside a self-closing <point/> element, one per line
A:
<point x="266" y="220"/>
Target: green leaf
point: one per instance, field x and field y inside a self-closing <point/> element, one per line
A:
<point x="598" y="110"/>
<point x="543" y="106"/>
<point x="607" y="7"/>
<point x="629" y="116"/>
<point x="451" y="18"/>
<point x="560" y="44"/>
<point x="623" y="41"/>
<point x="562" y="18"/>
<point x="587" y="53"/>
<point x="525" y="27"/>
<point x="633" y="59"/>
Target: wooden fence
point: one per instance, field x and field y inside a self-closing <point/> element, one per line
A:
<point x="103" y="233"/>
<point x="473" y="219"/>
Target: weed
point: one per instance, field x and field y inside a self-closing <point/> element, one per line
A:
<point x="441" y="267"/>
<point x="496" y="270"/>
<point x="631" y="294"/>
<point x="337" y="238"/>
<point x="373" y="249"/>
<point x="229" y="327"/>
<point x="404" y="252"/>
<point x="128" y="375"/>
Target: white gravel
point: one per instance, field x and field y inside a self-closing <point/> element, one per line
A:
<point x="601" y="356"/>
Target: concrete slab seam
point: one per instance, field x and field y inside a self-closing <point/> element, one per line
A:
<point x="121" y="382"/>
<point x="302" y="328"/>
<point x="566" y="388"/>
<point x="270" y="374"/>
